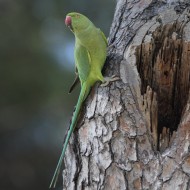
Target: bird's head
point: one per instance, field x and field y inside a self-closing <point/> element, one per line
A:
<point x="76" y="22"/>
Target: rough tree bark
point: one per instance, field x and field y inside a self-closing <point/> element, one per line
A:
<point x="135" y="133"/>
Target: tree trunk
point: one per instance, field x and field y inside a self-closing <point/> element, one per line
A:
<point x="135" y="133"/>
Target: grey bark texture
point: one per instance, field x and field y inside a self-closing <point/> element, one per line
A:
<point x="135" y="133"/>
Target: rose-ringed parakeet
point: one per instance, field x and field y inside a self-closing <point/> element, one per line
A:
<point x="90" y="55"/>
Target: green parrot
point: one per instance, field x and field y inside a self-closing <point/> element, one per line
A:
<point x="90" y="55"/>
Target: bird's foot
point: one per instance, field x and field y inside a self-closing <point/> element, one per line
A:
<point x="107" y="80"/>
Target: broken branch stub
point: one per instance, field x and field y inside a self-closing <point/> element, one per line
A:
<point x="164" y="65"/>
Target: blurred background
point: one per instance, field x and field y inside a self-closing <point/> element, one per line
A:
<point x="36" y="71"/>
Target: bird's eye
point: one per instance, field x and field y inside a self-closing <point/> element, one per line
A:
<point x="77" y="16"/>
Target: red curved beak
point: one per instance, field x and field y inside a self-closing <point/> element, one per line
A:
<point x="68" y="21"/>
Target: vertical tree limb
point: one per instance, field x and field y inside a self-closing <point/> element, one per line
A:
<point x="135" y="133"/>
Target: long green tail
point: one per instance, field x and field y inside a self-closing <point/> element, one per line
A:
<point x="83" y="94"/>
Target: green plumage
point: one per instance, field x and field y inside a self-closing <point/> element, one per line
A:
<point x="90" y="56"/>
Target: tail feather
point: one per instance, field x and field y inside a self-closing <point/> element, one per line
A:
<point x="83" y="94"/>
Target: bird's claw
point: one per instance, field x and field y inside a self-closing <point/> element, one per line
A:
<point x="107" y="80"/>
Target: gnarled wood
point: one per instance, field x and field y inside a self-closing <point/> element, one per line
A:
<point x="135" y="133"/>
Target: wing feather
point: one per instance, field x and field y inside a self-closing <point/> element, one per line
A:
<point x="82" y="61"/>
